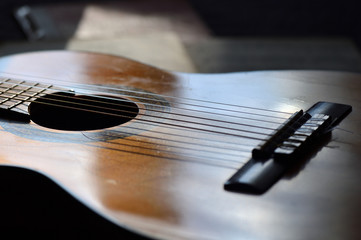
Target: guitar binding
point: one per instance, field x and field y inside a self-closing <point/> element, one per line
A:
<point x="285" y="147"/>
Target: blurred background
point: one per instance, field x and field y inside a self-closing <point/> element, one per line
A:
<point x="192" y="35"/>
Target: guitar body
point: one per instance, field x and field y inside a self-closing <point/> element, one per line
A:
<point x="161" y="174"/>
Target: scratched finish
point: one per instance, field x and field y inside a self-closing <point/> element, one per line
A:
<point x="166" y="180"/>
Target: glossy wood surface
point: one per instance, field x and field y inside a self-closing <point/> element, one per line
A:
<point x="166" y="181"/>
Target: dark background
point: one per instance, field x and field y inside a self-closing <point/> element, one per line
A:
<point x="244" y="18"/>
<point x="244" y="35"/>
<point x="282" y="17"/>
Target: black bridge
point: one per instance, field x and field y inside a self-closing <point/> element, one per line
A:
<point x="285" y="146"/>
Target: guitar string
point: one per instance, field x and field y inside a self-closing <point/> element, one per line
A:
<point x="193" y="160"/>
<point x="150" y="110"/>
<point x="167" y="133"/>
<point x="87" y="86"/>
<point x="107" y="88"/>
<point x="175" y="107"/>
<point x="210" y="155"/>
<point x="239" y="150"/>
<point x="193" y="105"/>
<point x="183" y="115"/>
<point x="210" y="160"/>
<point x="232" y="145"/>
<point x="234" y="129"/>
<point x="201" y="111"/>
<point x="198" y="137"/>
<point x="198" y="129"/>
<point x="178" y="157"/>
<point x="81" y="108"/>
<point x="204" y="161"/>
<point x="156" y="122"/>
<point x="192" y="99"/>
<point x="223" y="142"/>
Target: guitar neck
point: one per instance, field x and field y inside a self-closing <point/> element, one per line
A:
<point x="16" y="95"/>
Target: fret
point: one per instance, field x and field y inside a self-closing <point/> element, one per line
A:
<point x="16" y="95"/>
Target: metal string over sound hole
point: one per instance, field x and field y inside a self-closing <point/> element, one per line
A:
<point x="67" y="111"/>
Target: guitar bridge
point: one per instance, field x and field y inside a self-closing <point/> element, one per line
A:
<point x="285" y="146"/>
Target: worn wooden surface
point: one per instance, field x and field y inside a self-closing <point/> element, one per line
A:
<point x="166" y="181"/>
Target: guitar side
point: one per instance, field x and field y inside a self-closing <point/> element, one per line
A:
<point x="141" y="183"/>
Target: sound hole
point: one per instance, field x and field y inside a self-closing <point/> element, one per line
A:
<point x="64" y="111"/>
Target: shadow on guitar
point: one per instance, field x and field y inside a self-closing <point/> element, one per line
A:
<point x="307" y="156"/>
<point x="33" y="205"/>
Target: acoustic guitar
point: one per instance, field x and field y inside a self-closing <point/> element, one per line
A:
<point x="250" y="155"/>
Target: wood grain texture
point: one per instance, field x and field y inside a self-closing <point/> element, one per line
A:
<point x="167" y="182"/>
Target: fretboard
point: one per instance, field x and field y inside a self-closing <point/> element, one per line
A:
<point x="16" y="95"/>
